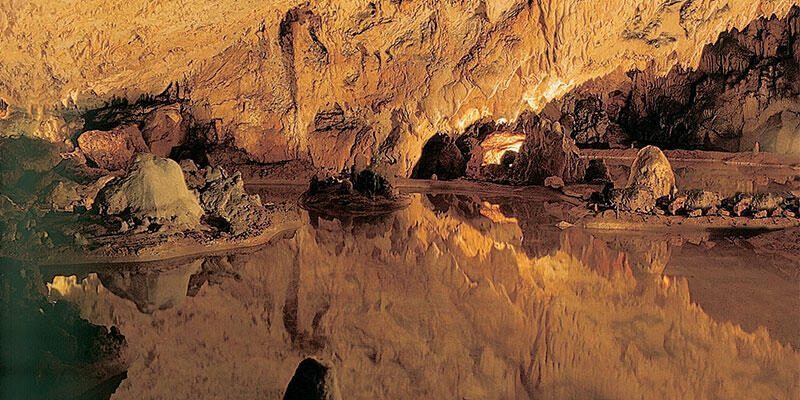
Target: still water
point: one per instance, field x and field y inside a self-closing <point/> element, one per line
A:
<point x="456" y="297"/>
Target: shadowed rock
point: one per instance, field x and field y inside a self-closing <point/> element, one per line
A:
<point x="440" y="157"/>
<point x="164" y="129"/>
<point x="312" y="381"/>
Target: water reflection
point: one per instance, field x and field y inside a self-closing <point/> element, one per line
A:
<point x="454" y="297"/>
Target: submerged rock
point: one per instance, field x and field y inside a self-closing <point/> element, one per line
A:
<point x="312" y="381"/>
<point x="652" y="170"/>
<point x="365" y="192"/>
<point x="112" y="150"/>
<point x="154" y="189"/>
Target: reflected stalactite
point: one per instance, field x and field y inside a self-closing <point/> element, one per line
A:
<point x="433" y="303"/>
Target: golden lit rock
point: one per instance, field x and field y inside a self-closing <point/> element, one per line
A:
<point x="266" y="69"/>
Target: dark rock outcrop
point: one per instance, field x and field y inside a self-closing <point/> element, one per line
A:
<point x="225" y="202"/>
<point x="744" y="94"/>
<point x="312" y="381"/>
<point x="547" y="151"/>
<point x="53" y="352"/>
<point x="164" y="129"/>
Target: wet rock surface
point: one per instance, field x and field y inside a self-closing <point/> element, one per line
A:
<point x="353" y="193"/>
<point x="312" y="381"/>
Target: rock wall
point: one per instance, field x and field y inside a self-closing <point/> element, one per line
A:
<point x="745" y="90"/>
<point x="328" y="81"/>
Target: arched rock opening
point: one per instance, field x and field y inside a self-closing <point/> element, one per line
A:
<point x="440" y="157"/>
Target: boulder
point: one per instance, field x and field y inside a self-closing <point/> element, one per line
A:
<point x="164" y="129"/>
<point x="677" y="205"/>
<point x="112" y="150"/>
<point x="633" y="199"/>
<point x="554" y="182"/>
<point x="702" y="200"/>
<point x="766" y="201"/>
<point x="312" y="380"/>
<point x="226" y="202"/>
<point x="741" y="205"/>
<point x="652" y="170"/>
<point x="154" y="189"/>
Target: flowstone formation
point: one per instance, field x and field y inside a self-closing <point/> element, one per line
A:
<point x="328" y="81"/>
<point x="153" y="191"/>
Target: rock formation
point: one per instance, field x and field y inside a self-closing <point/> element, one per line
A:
<point x="164" y="129"/>
<point x="224" y="200"/>
<point x="328" y="81"/>
<point x="652" y="170"/>
<point x="742" y="95"/>
<point x="154" y="191"/>
<point x="312" y="381"/>
<point x="114" y="149"/>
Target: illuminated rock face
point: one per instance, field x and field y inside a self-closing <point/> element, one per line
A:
<point x="444" y="304"/>
<point x="328" y="80"/>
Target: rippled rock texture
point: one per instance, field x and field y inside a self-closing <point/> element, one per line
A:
<point x="328" y="81"/>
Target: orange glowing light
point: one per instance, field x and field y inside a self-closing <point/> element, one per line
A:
<point x="499" y="143"/>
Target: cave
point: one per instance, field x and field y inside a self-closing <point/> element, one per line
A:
<point x="389" y="199"/>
